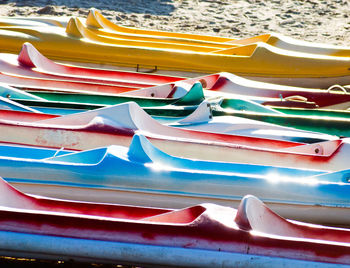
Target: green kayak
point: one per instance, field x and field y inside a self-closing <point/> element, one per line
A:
<point x="318" y="120"/>
<point x="326" y="121"/>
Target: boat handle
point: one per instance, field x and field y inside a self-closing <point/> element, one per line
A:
<point x="338" y="87"/>
<point x="149" y="71"/>
<point x="295" y="98"/>
<point x="318" y="150"/>
<point x="55" y="154"/>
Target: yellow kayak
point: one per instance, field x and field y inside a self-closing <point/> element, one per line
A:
<point x="95" y="20"/>
<point x="101" y="26"/>
<point x="79" y="43"/>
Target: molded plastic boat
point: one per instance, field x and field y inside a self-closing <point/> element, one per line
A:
<point x="95" y="20"/>
<point x="117" y="124"/>
<point x="193" y="96"/>
<point x="145" y="175"/>
<point x="204" y="235"/>
<point x="28" y="79"/>
<point x="38" y="66"/>
<point x="224" y="84"/>
<point x="257" y="60"/>
<point x="228" y="85"/>
<point x="324" y="121"/>
<point x="22" y="98"/>
<point x="16" y="74"/>
<point x="44" y="67"/>
<point x="199" y="119"/>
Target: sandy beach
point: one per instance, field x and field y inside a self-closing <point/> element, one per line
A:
<point x="326" y="21"/>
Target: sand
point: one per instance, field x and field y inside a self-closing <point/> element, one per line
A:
<point x="326" y="21"/>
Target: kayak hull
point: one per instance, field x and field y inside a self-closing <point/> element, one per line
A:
<point x="336" y="215"/>
<point x="192" y="230"/>
<point x="144" y="175"/>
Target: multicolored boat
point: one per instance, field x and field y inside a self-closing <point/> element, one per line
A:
<point x="144" y="175"/>
<point x="262" y="61"/>
<point x="58" y="139"/>
<point x="332" y="122"/>
<point x="117" y="124"/>
<point x="200" y="118"/>
<point x="200" y="236"/>
<point x="34" y="71"/>
<point x="31" y="70"/>
<point x="230" y="85"/>
<point x="325" y="121"/>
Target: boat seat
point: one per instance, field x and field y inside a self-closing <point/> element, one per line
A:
<point x="143" y="151"/>
<point x="11" y="197"/>
<point x="30" y="57"/>
<point x="124" y="115"/>
<point x="202" y="114"/>
<point x="96" y="20"/>
<point x="254" y="215"/>
<point x="128" y="116"/>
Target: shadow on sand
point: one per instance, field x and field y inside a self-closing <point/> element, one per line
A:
<point x="152" y="7"/>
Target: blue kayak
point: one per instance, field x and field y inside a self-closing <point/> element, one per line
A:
<point x="142" y="174"/>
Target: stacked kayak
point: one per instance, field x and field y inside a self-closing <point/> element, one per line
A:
<point x="96" y="20"/>
<point x="117" y="125"/>
<point x="40" y="73"/>
<point x="78" y="41"/>
<point x="204" y="235"/>
<point x="121" y="145"/>
<point x="148" y="175"/>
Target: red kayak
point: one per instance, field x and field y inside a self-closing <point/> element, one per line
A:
<point x="253" y="234"/>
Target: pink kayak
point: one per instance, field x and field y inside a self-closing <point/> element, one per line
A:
<point x="32" y="58"/>
<point x="18" y="72"/>
<point x="225" y="83"/>
<point x="204" y="235"/>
